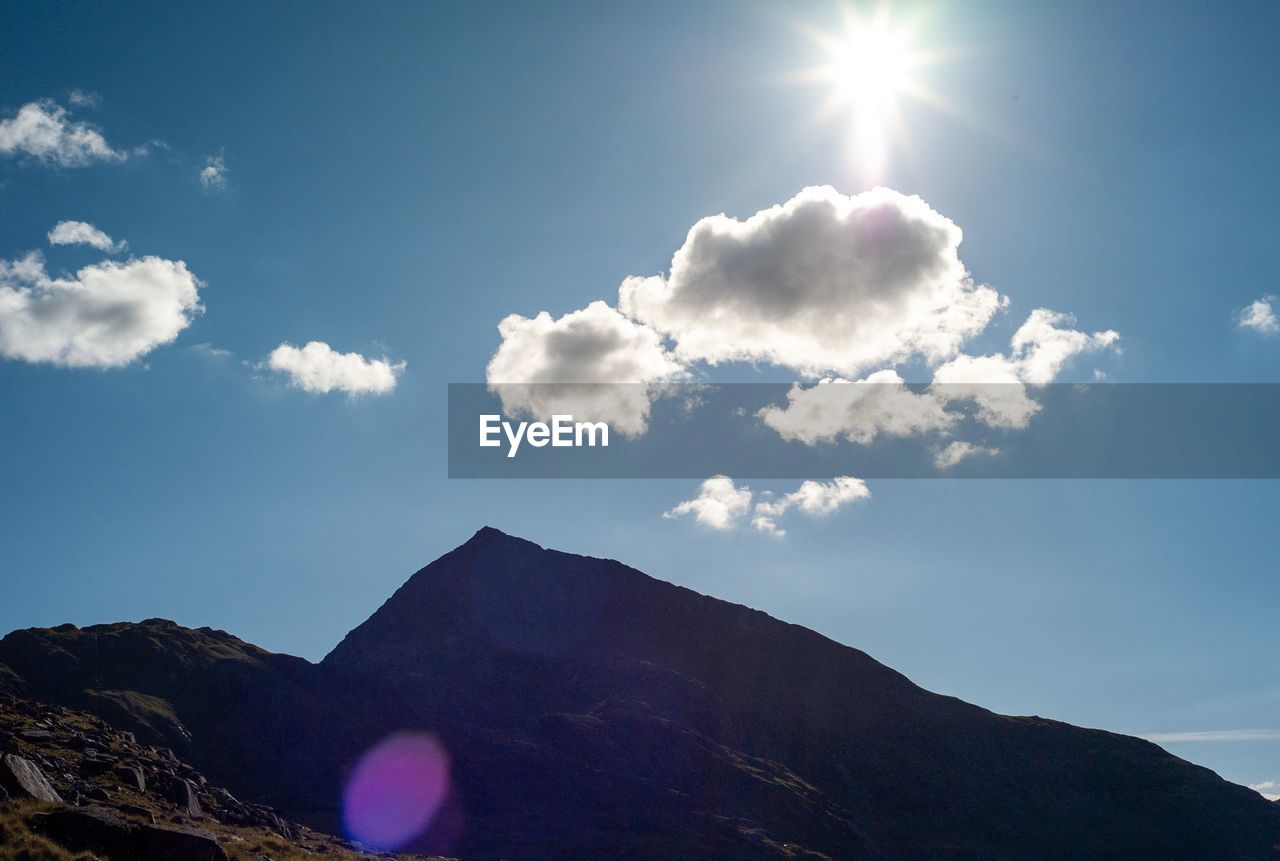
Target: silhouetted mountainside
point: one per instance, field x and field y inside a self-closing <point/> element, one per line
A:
<point x="274" y="728"/>
<point x="72" y="787"/>
<point x="592" y="711"/>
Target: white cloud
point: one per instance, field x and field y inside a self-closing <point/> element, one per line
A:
<point x="722" y="505"/>
<point x="827" y="285"/>
<point x="107" y="315"/>
<point x="824" y="283"/>
<point x="857" y="411"/>
<point x="1042" y="346"/>
<point x="1260" y="316"/>
<point x="719" y="505"/>
<point x="957" y="451"/>
<point x="814" y="498"/>
<point x="210" y="351"/>
<point x="992" y="384"/>
<point x="83" y="233"/>
<point x="882" y="403"/>
<point x="83" y="99"/>
<point x="1038" y="351"/>
<point x="213" y="176"/>
<point x="1268" y="789"/>
<point x="569" y="366"/>
<point x="41" y="130"/>
<point x="1215" y="735"/>
<point x="320" y="369"/>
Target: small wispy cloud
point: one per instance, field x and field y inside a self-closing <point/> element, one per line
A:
<point x="1269" y="789"/>
<point x="83" y="99"/>
<point x="1215" y="735"/>
<point x="814" y="498"/>
<point x="954" y="453"/>
<point x="1260" y="316"/>
<point x="723" y="506"/>
<point x="84" y="233"/>
<point x="213" y="176"/>
<point x="210" y="351"/>
<point x="719" y="505"/>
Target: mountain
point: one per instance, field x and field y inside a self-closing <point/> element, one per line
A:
<point x="589" y="710"/>
<point x="273" y="728"/>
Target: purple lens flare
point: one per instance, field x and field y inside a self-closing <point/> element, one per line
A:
<point x="395" y="790"/>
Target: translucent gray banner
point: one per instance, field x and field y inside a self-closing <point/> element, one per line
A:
<point x="867" y="430"/>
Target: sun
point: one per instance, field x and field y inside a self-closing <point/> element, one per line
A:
<point x="868" y="66"/>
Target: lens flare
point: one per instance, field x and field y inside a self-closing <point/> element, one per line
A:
<point x="869" y="66"/>
<point x="395" y="791"/>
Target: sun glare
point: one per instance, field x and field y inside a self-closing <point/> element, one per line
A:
<point x="867" y="68"/>
<point x="870" y="67"/>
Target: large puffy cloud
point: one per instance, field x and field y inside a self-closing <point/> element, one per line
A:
<point x="320" y="369"/>
<point x="83" y="233"/>
<point x="546" y="366"/>
<point x="106" y="315"/>
<point x="42" y="130"/>
<point x="1260" y="316"/>
<point x="824" y="283"/>
<point x="828" y="285"/>
<point x="858" y="411"/>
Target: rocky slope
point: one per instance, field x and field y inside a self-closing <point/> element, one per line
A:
<point x="591" y="711"/>
<point x="71" y="786"/>
<point x="276" y="728"/>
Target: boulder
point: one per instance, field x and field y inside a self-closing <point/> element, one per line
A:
<point x="87" y="829"/>
<point x="131" y="777"/>
<point x="95" y="765"/>
<point x="138" y="811"/>
<point x="182" y="792"/>
<point x="23" y="778"/>
<point x="92" y="829"/>
<point x="97" y="793"/>
<point x="158" y="843"/>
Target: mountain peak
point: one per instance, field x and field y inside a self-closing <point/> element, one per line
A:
<point x="491" y="535"/>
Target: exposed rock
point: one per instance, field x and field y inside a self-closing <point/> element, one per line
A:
<point x="92" y="829"/>
<point x="88" y="829"/>
<point x="138" y="811"/>
<point x="182" y="792"/>
<point x="98" y="764"/>
<point x="23" y="778"/>
<point x="158" y="843"/>
<point x="97" y="793"/>
<point x="131" y="777"/>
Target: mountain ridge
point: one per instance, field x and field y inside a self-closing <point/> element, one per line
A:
<point x="591" y="709"/>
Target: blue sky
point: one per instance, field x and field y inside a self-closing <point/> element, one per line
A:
<point x="400" y="177"/>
